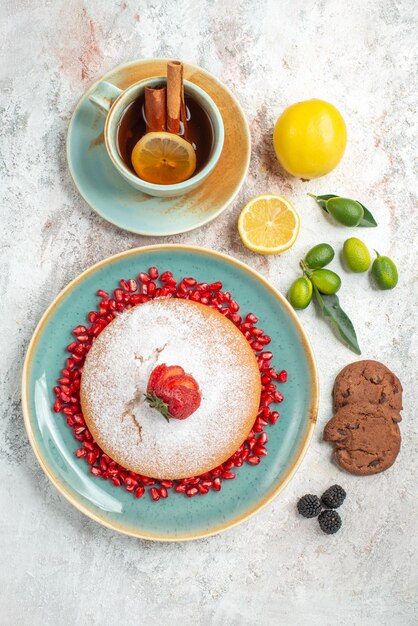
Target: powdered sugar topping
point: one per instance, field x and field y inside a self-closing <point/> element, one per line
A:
<point x="204" y="344"/>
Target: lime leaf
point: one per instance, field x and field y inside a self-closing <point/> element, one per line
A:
<point x="331" y="310"/>
<point x="367" y="221"/>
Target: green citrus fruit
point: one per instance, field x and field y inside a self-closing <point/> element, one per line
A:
<point x="300" y="293"/>
<point x="356" y="255"/>
<point x="319" y="256"/>
<point x="345" y="211"/>
<point x="385" y="272"/>
<point x="326" y="281"/>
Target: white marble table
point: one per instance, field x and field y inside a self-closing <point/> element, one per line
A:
<point x="56" y="566"/>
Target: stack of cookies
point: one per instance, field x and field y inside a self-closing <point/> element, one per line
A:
<point x="367" y="401"/>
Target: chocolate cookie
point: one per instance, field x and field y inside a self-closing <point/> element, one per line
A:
<point x="366" y="437"/>
<point x="367" y="381"/>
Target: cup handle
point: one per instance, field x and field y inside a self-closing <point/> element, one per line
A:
<point x="104" y="96"/>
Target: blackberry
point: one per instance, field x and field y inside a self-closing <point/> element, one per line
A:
<point x="329" y="521"/>
<point x="333" y="497"/>
<point x="309" y="505"/>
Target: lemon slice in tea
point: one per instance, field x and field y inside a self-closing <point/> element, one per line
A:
<point x="163" y="158"/>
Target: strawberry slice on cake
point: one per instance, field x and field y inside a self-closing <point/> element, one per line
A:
<point x="172" y="392"/>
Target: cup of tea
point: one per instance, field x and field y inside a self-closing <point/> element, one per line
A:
<point x="125" y="125"/>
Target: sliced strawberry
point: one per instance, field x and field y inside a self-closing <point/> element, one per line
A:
<point x="155" y="374"/>
<point x="161" y="373"/>
<point x="172" y="392"/>
<point x="183" y="380"/>
<point x="169" y="372"/>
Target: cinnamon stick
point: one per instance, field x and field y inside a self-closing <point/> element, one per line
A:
<point x="155" y="109"/>
<point x="174" y="95"/>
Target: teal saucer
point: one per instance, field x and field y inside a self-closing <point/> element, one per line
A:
<point x="108" y="193"/>
<point x="177" y="518"/>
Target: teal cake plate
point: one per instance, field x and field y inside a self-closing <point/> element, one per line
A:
<point x="176" y="518"/>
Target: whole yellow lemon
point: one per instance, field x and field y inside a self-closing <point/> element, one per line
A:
<point x="310" y="138"/>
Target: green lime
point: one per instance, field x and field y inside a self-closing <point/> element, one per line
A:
<point x="300" y="293"/>
<point x="345" y="211"/>
<point x="319" y="256"/>
<point x="356" y="255"/>
<point x="326" y="281"/>
<point x="385" y="272"/>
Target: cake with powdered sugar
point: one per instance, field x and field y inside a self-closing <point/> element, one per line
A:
<point x="170" y="389"/>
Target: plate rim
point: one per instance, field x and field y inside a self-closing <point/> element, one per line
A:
<point x="310" y="417"/>
<point x="168" y="233"/>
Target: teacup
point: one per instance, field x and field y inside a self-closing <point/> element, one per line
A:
<point x="113" y="102"/>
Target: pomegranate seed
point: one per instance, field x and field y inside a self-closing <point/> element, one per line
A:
<point x="140" y="491"/>
<point x="251" y="318"/>
<point x="166" y="277"/>
<point x="155" y="495"/>
<point x="163" y="492"/>
<point x="236" y="319"/>
<point x="80" y="453"/>
<point x="253" y="460"/>
<point x="124" y="285"/>
<point x="260" y="451"/>
<point x="278" y="397"/>
<point x="234" y="307"/>
<point x="132" y="285"/>
<point x="190" y="282"/>
<point x="195" y="295"/>
<point x="144" y="278"/>
<point x="71" y="346"/>
<point x="262" y="439"/>
<point x="264" y="340"/>
<point x="180" y="488"/>
<point x="282" y="376"/>
<point x="216" y="483"/>
<point x="151" y="288"/>
<point x="116" y="482"/>
<point x="91" y="458"/>
<point x="79" y="330"/>
<point x="190" y="481"/>
<point x="274" y="417"/>
<point x="92" y="316"/>
<point x="166" y="483"/>
<point x="215" y="286"/>
<point x="228" y="475"/>
<point x="57" y="406"/>
<point x="266" y="356"/>
<point x="96" y="471"/>
<point x="192" y="491"/>
<point x="102" y="294"/>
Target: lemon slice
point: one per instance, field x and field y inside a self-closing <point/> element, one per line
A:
<point x="269" y="224"/>
<point x="163" y="158"/>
